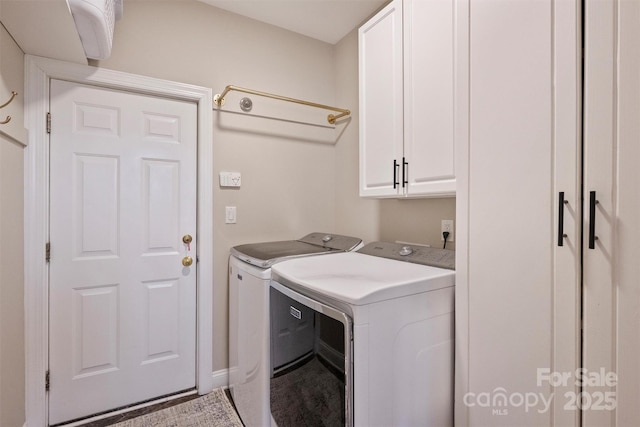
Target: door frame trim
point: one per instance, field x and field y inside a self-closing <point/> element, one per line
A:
<point x="38" y="72"/>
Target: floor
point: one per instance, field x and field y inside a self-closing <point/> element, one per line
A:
<point x="143" y="411"/>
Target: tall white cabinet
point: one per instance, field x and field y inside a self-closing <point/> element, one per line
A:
<point x="408" y="56"/>
<point x="538" y="264"/>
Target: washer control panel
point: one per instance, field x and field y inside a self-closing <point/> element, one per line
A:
<point x="442" y="258"/>
<point x="332" y="241"/>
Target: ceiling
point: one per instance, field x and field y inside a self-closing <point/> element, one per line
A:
<point x="325" y="20"/>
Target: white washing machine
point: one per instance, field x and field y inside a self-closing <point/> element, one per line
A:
<point x="249" y="349"/>
<point x="383" y="352"/>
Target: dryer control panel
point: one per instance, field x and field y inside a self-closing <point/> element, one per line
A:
<point x="442" y="258"/>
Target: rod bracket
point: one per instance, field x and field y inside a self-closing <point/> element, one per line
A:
<point x="218" y="100"/>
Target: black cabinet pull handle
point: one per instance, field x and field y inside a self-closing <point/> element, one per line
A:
<point x="395" y="173"/>
<point x="404" y="175"/>
<point x="592" y="219"/>
<point x="561" y="203"/>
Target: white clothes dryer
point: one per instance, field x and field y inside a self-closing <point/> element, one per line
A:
<point x="384" y="338"/>
<point x="249" y="349"/>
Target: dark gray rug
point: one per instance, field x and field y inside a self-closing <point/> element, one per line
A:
<point x="309" y="396"/>
<point x="210" y="410"/>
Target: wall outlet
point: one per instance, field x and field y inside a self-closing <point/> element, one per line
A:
<point x="446" y="225"/>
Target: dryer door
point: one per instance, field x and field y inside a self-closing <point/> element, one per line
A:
<point x="315" y="380"/>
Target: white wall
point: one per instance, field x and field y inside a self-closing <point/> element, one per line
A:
<point x="11" y="245"/>
<point x="11" y="285"/>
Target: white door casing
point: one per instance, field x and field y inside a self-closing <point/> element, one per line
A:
<point x="122" y="195"/>
<point x="39" y="72"/>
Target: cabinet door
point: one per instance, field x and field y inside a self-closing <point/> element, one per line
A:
<point x="429" y="75"/>
<point x="611" y="301"/>
<point x="516" y="290"/>
<point x="381" y="134"/>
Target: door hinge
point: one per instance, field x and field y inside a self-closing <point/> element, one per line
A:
<point x="47" y="381"/>
<point x="48" y="122"/>
<point x="47" y="252"/>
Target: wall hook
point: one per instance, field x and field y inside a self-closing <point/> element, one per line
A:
<point x="6" y="121"/>
<point x="13" y="95"/>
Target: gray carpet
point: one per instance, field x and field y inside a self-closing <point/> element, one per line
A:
<point x="309" y="396"/>
<point x="210" y="410"/>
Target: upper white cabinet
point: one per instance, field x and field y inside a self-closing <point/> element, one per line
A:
<point x="381" y="102"/>
<point x="409" y="56"/>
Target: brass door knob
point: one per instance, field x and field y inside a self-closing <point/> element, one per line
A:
<point x="187" y="261"/>
<point x="187" y="239"/>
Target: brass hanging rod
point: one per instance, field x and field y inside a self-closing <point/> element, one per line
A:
<point x="331" y="118"/>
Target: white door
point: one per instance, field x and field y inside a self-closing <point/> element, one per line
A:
<point x="123" y="195"/>
<point x="611" y="268"/>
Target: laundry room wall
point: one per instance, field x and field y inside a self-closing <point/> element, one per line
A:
<point x="288" y="169"/>
<point x="11" y="245"/>
<point x="296" y="178"/>
<point x="11" y="284"/>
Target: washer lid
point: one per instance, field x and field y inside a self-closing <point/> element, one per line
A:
<point x="265" y="254"/>
<point x="360" y="279"/>
<point x="268" y="253"/>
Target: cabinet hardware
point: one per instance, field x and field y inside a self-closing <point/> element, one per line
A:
<point x="561" y="203"/>
<point x="395" y="173"/>
<point x="592" y="219"/>
<point x="405" y="173"/>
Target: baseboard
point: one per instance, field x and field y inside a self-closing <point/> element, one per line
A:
<point x="221" y="378"/>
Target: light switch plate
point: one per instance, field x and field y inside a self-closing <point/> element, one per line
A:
<point x="230" y="215"/>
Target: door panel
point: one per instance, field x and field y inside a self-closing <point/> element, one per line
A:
<point x="95" y="322"/>
<point x="611" y="287"/>
<point x="123" y="193"/>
